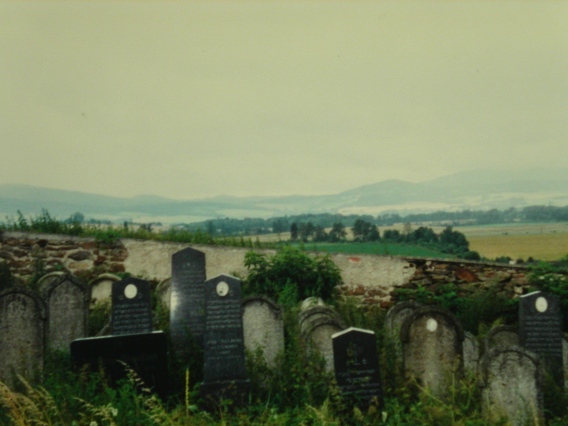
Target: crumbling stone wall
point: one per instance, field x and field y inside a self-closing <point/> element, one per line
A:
<point x="369" y="278"/>
<point x="25" y="253"/>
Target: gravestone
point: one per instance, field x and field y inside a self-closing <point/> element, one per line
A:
<point x="224" y="372"/>
<point x="470" y="353"/>
<point x="263" y="327"/>
<point x="397" y="314"/>
<point x="145" y="353"/>
<point x="187" y="303"/>
<point x="357" y="367"/>
<point x="131" y="307"/>
<point x="48" y="278"/>
<point x="311" y="302"/>
<point x="511" y="386"/>
<point x="317" y="325"/>
<point x="22" y="332"/>
<point x="432" y="340"/>
<point x="67" y="301"/>
<point x="540" y="331"/>
<point x="502" y="335"/>
<point x="101" y="287"/>
<point x="393" y="323"/>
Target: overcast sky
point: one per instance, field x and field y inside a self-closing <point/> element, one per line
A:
<point x="192" y="99"/>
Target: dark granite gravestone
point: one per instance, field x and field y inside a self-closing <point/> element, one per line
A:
<point x="67" y="302"/>
<point x="22" y="331"/>
<point x="357" y="367"/>
<point x="224" y="373"/>
<point x="187" y="310"/>
<point x="145" y="353"/>
<point x="131" y="307"/>
<point x="540" y="331"/>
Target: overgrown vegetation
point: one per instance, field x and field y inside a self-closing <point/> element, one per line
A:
<point x="298" y="391"/>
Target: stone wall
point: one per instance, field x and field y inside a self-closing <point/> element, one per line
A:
<point x="370" y="278"/>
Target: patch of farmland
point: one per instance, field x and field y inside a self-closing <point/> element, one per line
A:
<point x="542" y="246"/>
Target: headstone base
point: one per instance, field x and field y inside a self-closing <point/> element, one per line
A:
<point x="145" y="353"/>
<point x="234" y="391"/>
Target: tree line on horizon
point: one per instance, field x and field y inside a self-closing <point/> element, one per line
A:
<point x="258" y="226"/>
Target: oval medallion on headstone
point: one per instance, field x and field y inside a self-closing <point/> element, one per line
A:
<point x="431" y="325"/>
<point x="130" y="291"/>
<point x="222" y="288"/>
<point x="541" y="304"/>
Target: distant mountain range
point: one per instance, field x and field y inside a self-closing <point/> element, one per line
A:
<point x="476" y="190"/>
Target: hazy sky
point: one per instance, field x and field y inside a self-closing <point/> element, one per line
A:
<point x="192" y="99"/>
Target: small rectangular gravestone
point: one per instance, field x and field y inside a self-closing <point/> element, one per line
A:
<point x="145" y="353"/>
<point x="540" y="331"/>
<point x="357" y="367"/>
<point x="131" y="307"/>
<point x="224" y="373"/>
<point x="187" y="310"/>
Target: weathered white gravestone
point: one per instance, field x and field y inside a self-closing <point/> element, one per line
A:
<point x="393" y="323"/>
<point x="502" y="335"/>
<point x="317" y="325"/>
<point x="101" y="287"/>
<point x="263" y="327"/>
<point x="432" y="341"/>
<point x="67" y="302"/>
<point x="22" y="331"/>
<point x="511" y="386"/>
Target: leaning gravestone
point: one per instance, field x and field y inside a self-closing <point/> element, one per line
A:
<point x="432" y="341"/>
<point x="502" y="335"/>
<point x="540" y="331"/>
<point x="224" y="372"/>
<point x="145" y="353"/>
<point x="357" y="367"/>
<point x="263" y="327"/>
<point x="22" y="328"/>
<point x="131" y="307"/>
<point x="511" y="386"/>
<point x="317" y="325"/>
<point x="67" y="302"/>
<point x="187" y="315"/>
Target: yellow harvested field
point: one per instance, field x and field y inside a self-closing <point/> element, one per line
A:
<point x="538" y="246"/>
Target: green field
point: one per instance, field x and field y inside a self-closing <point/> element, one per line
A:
<point x="381" y="248"/>
<point x="542" y="241"/>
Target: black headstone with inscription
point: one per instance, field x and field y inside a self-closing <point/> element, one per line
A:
<point x="540" y="331"/>
<point x="357" y="367"/>
<point x="224" y="373"/>
<point x="187" y="310"/>
<point x="145" y="353"/>
<point x="131" y="307"/>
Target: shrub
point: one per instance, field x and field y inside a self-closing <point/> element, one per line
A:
<point x="289" y="269"/>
